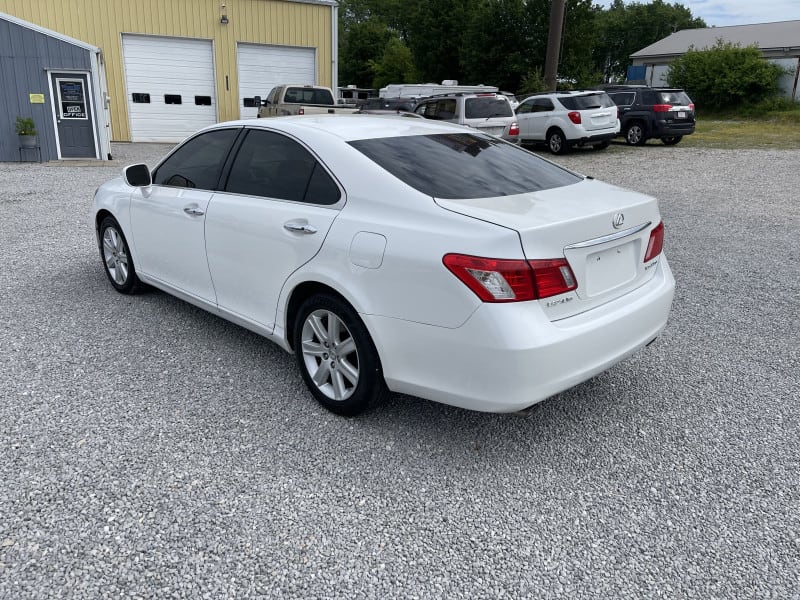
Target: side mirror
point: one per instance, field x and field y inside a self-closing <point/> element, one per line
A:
<point x="257" y="101"/>
<point x="138" y="175"/>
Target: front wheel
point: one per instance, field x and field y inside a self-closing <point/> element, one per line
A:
<point x="556" y="142"/>
<point x="634" y="134"/>
<point x="336" y="356"/>
<point x="117" y="260"/>
<point x="671" y="140"/>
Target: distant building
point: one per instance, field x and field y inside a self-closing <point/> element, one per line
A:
<point x="151" y="70"/>
<point x="779" y="43"/>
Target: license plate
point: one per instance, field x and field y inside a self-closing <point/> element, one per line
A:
<point x="610" y="268"/>
<point x="492" y="130"/>
<point x="681" y="115"/>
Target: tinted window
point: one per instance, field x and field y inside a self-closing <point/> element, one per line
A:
<point x="463" y="165"/>
<point x="301" y="95"/>
<point x="525" y="107"/>
<point x="273" y="166"/>
<point x="198" y="162"/>
<point x="541" y="105"/>
<point x="487" y="107"/>
<point x="586" y="102"/>
<point x="674" y="98"/>
<point x="623" y="98"/>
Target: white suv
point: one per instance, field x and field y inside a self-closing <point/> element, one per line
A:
<point x="487" y="112"/>
<point x="565" y="119"/>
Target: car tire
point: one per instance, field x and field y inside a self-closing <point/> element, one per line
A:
<point x="556" y="142"/>
<point x="634" y="134"/>
<point x="601" y="145"/>
<point x="671" y="140"/>
<point x="116" y="257"/>
<point x="337" y="358"/>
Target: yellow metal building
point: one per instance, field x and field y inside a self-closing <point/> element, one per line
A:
<point x="173" y="66"/>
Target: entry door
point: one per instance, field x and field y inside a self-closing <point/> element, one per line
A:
<point x="73" y="115"/>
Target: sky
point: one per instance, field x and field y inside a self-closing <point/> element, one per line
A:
<point x="737" y="12"/>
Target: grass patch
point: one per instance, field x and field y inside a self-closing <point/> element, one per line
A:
<point x="781" y="131"/>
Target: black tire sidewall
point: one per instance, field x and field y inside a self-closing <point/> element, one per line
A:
<point x="371" y="387"/>
<point x="642" y="139"/>
<point x="131" y="282"/>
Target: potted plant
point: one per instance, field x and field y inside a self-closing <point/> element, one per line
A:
<point x="26" y="129"/>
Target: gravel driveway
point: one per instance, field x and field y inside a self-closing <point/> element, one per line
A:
<point x="149" y="449"/>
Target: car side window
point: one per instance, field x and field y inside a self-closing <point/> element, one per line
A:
<point x="623" y="98"/>
<point x="649" y="98"/>
<point x="272" y="165"/>
<point x="523" y="108"/>
<point x="446" y="109"/>
<point x="197" y="163"/>
<point x="542" y="105"/>
<point x="422" y="109"/>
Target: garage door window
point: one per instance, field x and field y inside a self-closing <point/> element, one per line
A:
<point x="198" y="163"/>
<point x="271" y="165"/>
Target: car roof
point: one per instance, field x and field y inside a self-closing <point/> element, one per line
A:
<point x="349" y="126"/>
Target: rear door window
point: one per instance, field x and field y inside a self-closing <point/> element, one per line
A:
<point x="272" y="165"/>
<point x="586" y="102"/>
<point x="463" y="165"/>
<point x="486" y="107"/>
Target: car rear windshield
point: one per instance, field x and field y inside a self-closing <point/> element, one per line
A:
<point x="487" y="107"/>
<point x="463" y="165"/>
<point x="674" y="98"/>
<point x="586" y="102"/>
<point x="298" y="95"/>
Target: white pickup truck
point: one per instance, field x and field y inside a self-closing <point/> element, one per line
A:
<point x="291" y="99"/>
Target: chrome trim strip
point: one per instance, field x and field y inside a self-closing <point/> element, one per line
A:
<point x="609" y="238"/>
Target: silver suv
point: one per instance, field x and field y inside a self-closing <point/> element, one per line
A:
<point x="487" y="112"/>
<point x="565" y="119"/>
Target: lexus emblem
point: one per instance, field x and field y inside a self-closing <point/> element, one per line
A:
<point x="618" y="221"/>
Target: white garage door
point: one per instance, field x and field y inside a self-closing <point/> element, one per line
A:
<point x="170" y="86"/>
<point x="263" y="67"/>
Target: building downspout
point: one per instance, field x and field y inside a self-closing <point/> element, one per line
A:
<point x="335" y="49"/>
<point x="796" y="76"/>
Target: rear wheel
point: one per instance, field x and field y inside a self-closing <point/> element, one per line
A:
<point x="117" y="260"/>
<point x="556" y="142"/>
<point x="634" y="134"/>
<point x="671" y="140"/>
<point x="336" y="356"/>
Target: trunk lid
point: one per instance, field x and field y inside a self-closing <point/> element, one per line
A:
<point x="602" y="230"/>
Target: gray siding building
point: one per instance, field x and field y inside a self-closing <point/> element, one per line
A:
<point x="779" y="43"/>
<point x="57" y="81"/>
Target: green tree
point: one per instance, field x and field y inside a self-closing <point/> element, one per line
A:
<point x="395" y="66"/>
<point x="623" y="29"/>
<point x="725" y="76"/>
<point x="361" y="46"/>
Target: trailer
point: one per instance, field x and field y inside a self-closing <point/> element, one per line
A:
<point x="423" y="90"/>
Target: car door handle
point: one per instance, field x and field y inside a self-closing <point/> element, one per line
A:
<point x="299" y="227"/>
<point x="194" y="211"/>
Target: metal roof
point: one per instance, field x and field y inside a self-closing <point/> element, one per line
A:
<point x="49" y="32"/>
<point x="767" y="36"/>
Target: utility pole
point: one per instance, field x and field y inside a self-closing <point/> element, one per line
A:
<point x="557" y="11"/>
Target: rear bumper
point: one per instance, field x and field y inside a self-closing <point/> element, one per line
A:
<point x="662" y="129"/>
<point x="594" y="139"/>
<point x="507" y="357"/>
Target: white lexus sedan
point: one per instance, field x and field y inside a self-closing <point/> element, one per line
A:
<point x="396" y="254"/>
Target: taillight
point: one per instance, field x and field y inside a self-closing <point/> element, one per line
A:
<point x="691" y="106"/>
<point x="575" y="117"/>
<point x="301" y="111"/>
<point x="662" y="107"/>
<point x="501" y="280"/>
<point x="514" y="129"/>
<point x="656" y="243"/>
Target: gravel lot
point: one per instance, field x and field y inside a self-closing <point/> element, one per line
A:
<point x="149" y="449"/>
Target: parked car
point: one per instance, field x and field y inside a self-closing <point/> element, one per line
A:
<point x="488" y="112"/>
<point x="512" y="99"/>
<point x="398" y="104"/>
<point x="562" y="120"/>
<point x="395" y="254"/>
<point x="286" y="100"/>
<point x="663" y="113"/>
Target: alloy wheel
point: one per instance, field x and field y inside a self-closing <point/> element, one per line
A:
<point x="330" y="354"/>
<point x="115" y="254"/>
